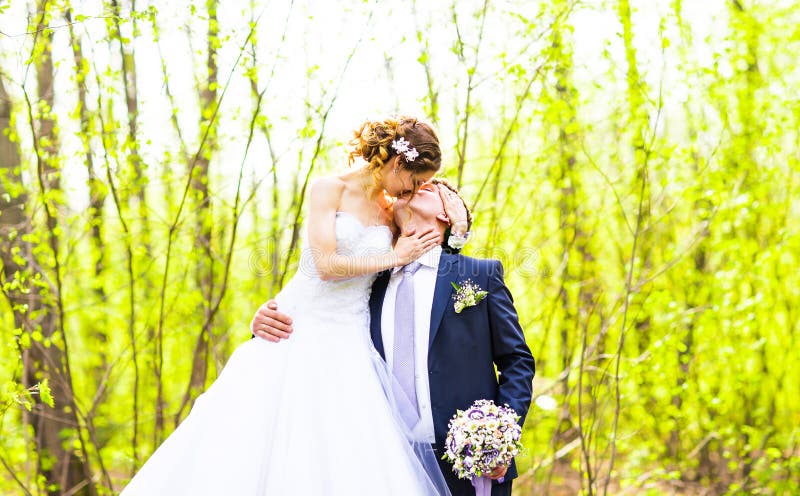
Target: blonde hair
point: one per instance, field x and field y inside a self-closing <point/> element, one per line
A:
<point x="372" y="141"/>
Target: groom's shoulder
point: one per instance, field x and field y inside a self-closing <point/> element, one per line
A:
<point x="481" y="266"/>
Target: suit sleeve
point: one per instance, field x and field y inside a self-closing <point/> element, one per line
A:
<point x="510" y="352"/>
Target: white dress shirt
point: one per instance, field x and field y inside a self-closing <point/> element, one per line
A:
<point x="424" y="284"/>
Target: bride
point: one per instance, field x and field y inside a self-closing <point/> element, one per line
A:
<point x="318" y="414"/>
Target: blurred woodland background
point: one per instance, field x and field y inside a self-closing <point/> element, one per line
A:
<point x="634" y="164"/>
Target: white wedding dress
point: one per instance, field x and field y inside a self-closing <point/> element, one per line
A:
<point x="312" y="415"/>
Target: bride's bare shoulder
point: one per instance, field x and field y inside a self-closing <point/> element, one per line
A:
<point x="329" y="185"/>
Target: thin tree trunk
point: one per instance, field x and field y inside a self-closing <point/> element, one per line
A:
<point x="138" y="183"/>
<point x="638" y="125"/>
<point x="641" y="250"/>
<point x="575" y="242"/>
<point x="97" y="197"/>
<point x="694" y="291"/>
<point x="203" y="222"/>
<point x="70" y="472"/>
<point x="275" y="226"/>
<point x="38" y="309"/>
<point x="461" y="145"/>
<point x="14" y="228"/>
<point x="432" y="101"/>
<point x="743" y="161"/>
<point x="134" y="196"/>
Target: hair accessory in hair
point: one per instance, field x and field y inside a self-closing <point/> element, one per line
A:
<point x="404" y="147"/>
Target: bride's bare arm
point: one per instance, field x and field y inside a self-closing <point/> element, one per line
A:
<point x="324" y="198"/>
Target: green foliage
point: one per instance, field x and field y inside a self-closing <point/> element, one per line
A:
<point x="640" y="186"/>
<point x="14" y="394"/>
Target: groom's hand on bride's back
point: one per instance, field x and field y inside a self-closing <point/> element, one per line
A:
<point x="270" y="324"/>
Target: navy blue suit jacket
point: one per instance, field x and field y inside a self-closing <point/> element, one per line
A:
<point x="465" y="347"/>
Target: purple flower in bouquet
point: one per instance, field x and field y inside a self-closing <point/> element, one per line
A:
<point x="475" y="414"/>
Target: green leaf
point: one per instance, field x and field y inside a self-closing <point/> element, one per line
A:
<point x="46" y="394"/>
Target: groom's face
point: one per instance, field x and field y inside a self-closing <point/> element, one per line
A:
<point x="422" y="210"/>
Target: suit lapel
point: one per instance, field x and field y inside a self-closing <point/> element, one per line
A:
<point x="376" y="310"/>
<point x="448" y="273"/>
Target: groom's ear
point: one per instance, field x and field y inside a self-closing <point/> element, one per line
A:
<point x="443" y="217"/>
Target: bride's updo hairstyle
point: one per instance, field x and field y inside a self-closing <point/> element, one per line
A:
<point x="373" y="142"/>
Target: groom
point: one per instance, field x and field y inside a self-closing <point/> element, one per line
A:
<point x="454" y="354"/>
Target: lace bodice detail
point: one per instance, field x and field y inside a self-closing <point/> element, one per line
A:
<point x="340" y="299"/>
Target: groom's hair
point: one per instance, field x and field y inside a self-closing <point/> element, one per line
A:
<point x="446" y="184"/>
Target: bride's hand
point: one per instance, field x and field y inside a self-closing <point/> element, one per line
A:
<point x="455" y="210"/>
<point x="411" y="246"/>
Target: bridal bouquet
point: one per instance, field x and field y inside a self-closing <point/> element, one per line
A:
<point x="480" y="439"/>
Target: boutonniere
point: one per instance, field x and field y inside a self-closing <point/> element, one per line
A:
<point x="468" y="294"/>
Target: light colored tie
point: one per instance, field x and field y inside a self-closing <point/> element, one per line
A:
<point x="403" y="366"/>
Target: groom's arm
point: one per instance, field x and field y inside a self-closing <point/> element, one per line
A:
<point x="270" y="324"/>
<point x="511" y="354"/>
